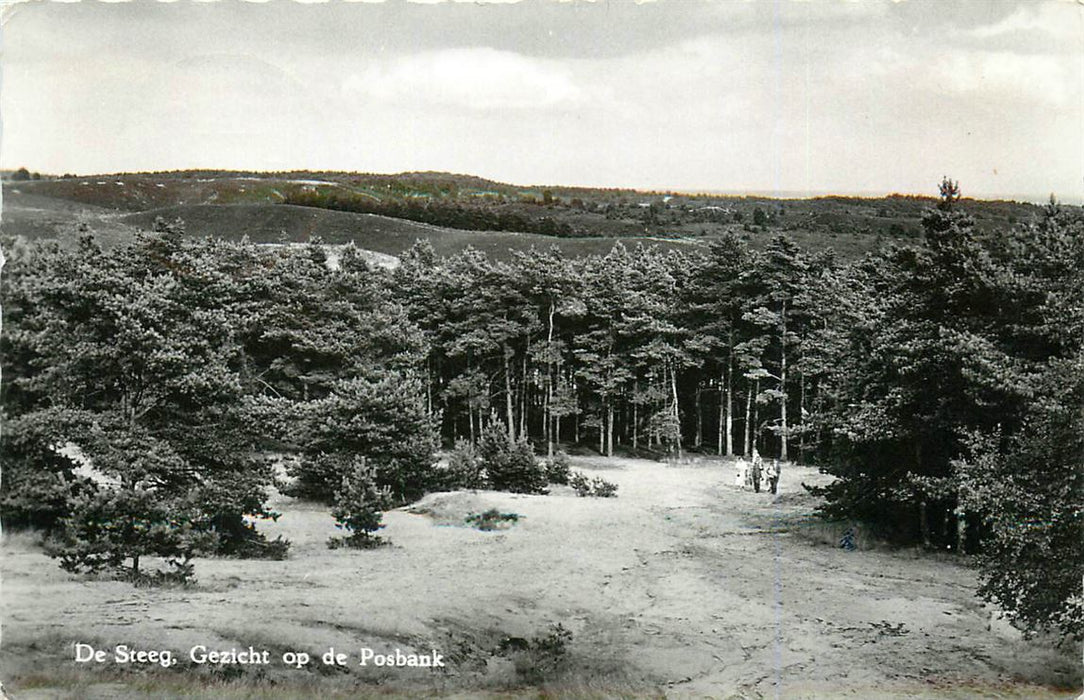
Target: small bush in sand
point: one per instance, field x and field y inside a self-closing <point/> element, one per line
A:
<point x="464" y="468"/>
<point x="509" y="463"/>
<point x="540" y="657"/>
<point x="596" y="487"/>
<point x="492" y="519"/>
<point x="600" y="488"/>
<point x="359" y="506"/>
<point x="113" y="530"/>
<point x="558" y="468"/>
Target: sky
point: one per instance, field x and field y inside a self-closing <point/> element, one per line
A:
<point x="840" y="96"/>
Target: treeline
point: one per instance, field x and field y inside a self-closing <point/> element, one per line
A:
<point x="638" y="349"/>
<point x="433" y="211"/>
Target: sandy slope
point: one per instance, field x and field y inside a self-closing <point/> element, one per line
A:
<point x="683" y="586"/>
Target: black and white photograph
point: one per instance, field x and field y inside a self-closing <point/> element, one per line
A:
<point x="722" y="349"/>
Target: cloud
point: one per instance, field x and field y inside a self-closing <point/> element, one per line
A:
<point x="1005" y="75"/>
<point x="1053" y="18"/>
<point x="477" y="78"/>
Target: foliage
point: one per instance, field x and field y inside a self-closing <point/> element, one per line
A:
<point x="380" y="419"/>
<point x="358" y="507"/>
<point x="957" y="418"/>
<point x="539" y="657"/>
<point x="1030" y="490"/>
<point x="600" y="488"/>
<point x="596" y="487"/>
<point x="464" y="468"/>
<point x="39" y="479"/>
<point x="492" y="519"/>
<point x="109" y="527"/>
<point x="129" y="355"/>
<point x="436" y="213"/>
<point x="940" y="342"/>
<point x="331" y="367"/>
<point x="558" y="468"/>
<point x="509" y="463"/>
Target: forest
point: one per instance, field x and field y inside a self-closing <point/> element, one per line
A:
<point x="939" y="380"/>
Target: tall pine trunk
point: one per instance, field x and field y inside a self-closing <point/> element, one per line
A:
<point x="699" y="416"/>
<point x="747" y="447"/>
<point x="730" y="397"/>
<point x="801" y="417"/>
<point x="523" y="390"/>
<point x="610" y="428"/>
<point x="557" y="419"/>
<point x="508" y="392"/>
<point x="783" y="386"/>
<point x="722" y="413"/>
<point x="924" y="524"/>
<point x="601" y="430"/>
<point x="547" y="426"/>
<point x="677" y="413"/>
<point x="756" y="415"/>
<point x="549" y="382"/>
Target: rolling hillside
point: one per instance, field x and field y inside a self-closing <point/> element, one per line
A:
<point x="339" y="208"/>
<point x="264" y="223"/>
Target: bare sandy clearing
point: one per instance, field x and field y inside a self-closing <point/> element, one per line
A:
<point x="682" y="585"/>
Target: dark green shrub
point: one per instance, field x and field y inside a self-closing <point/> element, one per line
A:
<point x="464" y="468"/>
<point x="600" y="488"/>
<point x="316" y="477"/>
<point x="359" y="506"/>
<point x="38" y="499"/>
<point x="232" y="501"/>
<point x="596" y="487"/>
<point x="580" y="484"/>
<point x="112" y="530"/>
<point x="380" y="418"/>
<point x="39" y="481"/>
<point x="558" y="468"/>
<point x="510" y="464"/>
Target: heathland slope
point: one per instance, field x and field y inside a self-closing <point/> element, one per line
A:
<point x="387" y="213"/>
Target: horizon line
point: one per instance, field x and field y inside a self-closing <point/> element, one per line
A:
<point x="780" y="194"/>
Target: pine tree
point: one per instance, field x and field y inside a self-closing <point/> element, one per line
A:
<point x="128" y="355"/>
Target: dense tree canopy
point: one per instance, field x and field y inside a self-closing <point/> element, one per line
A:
<point x="147" y="382"/>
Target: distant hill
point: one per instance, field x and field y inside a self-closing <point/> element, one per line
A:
<point x="265" y="223"/>
<point x="387" y="213"/>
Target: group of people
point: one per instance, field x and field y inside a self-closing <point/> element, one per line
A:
<point x="752" y="474"/>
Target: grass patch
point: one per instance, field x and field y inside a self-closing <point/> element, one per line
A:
<point x="492" y="519"/>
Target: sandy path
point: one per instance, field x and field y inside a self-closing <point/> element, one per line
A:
<point x="682" y="583"/>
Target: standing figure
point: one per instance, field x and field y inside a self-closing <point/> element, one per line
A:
<point x="772" y="472"/>
<point x="743" y="468"/>
<point x="758" y="467"/>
